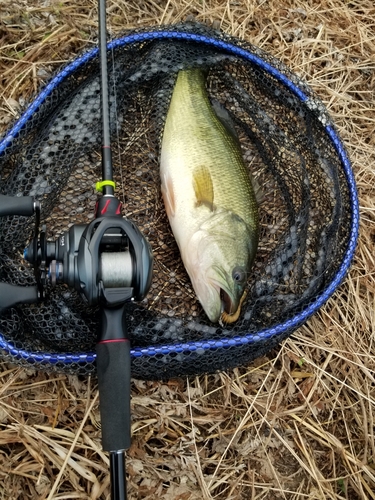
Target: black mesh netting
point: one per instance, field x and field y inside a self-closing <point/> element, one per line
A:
<point x="307" y="214"/>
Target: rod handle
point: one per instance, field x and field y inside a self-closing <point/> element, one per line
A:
<point x="113" y="369"/>
<point x="16" y="205"/>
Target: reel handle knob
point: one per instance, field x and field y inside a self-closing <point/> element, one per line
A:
<point x="11" y="295"/>
<point x="16" y="205"/>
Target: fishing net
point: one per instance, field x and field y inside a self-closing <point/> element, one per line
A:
<point x="308" y="212"/>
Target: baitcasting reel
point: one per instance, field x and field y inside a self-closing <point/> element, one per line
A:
<point x="108" y="261"/>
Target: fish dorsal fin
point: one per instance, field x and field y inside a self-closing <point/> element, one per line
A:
<point x="203" y="187"/>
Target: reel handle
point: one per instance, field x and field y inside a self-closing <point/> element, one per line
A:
<point x="16" y="205"/>
<point x="113" y="369"/>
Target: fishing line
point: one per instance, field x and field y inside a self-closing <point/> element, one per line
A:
<point x="116" y="269"/>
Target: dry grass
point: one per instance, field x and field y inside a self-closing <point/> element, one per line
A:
<point x="298" y="424"/>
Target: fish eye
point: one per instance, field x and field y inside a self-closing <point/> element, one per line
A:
<point x="239" y="275"/>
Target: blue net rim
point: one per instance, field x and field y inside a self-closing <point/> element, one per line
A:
<point x="196" y="346"/>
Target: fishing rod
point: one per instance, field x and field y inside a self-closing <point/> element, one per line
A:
<point x="113" y="347"/>
<point x="109" y="262"/>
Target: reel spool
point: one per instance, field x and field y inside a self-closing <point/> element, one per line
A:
<point x="116" y="269"/>
<point x="309" y="218"/>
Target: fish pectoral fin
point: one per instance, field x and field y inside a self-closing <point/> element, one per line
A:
<point x="203" y="187"/>
<point x="168" y="195"/>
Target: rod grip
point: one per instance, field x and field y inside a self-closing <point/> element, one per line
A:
<point x="113" y="369"/>
<point x="16" y="205"/>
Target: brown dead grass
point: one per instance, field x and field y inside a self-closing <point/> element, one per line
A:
<point x="297" y="424"/>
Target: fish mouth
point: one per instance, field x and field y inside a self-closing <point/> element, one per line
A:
<point x="230" y="306"/>
<point x="227" y="304"/>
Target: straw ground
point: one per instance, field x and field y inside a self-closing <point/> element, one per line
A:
<point x="297" y="424"/>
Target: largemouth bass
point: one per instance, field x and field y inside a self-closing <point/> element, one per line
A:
<point x="208" y="197"/>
